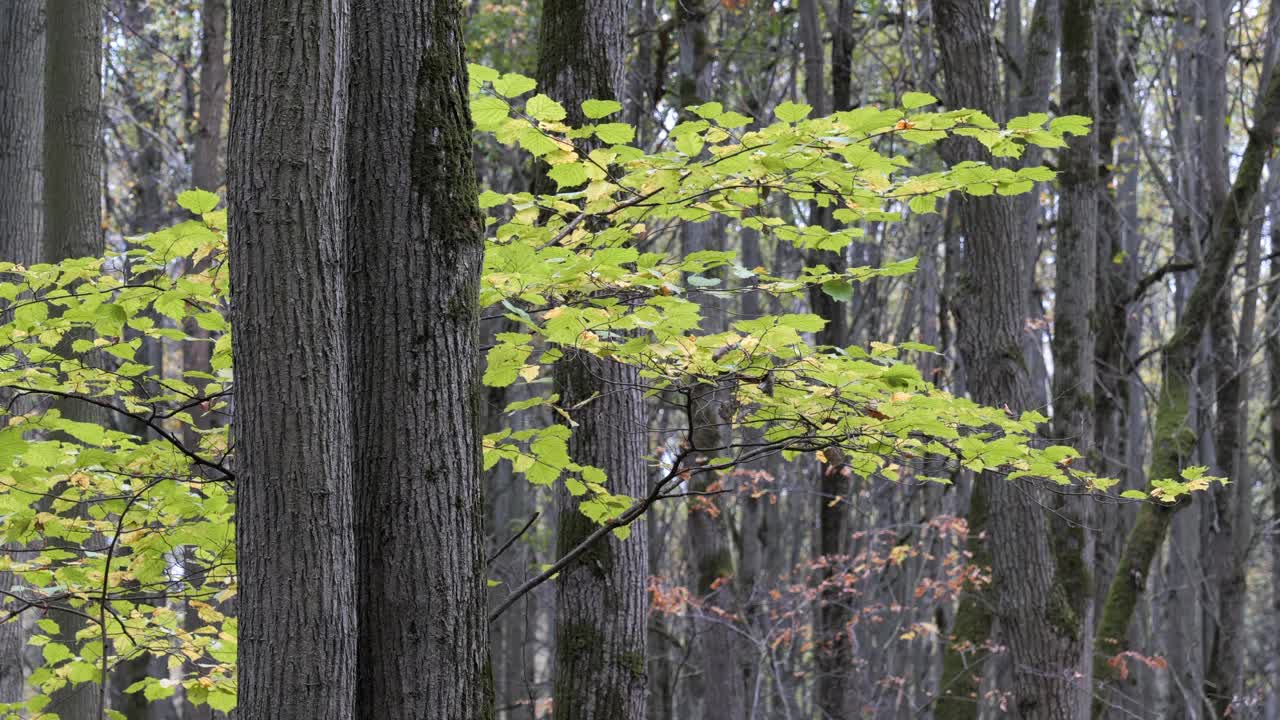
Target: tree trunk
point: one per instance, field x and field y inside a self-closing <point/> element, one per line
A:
<point x="72" y="196"/>
<point x="415" y="242"/>
<point x="601" y="601"/>
<point x="205" y="172"/>
<point x="21" y="127"/>
<point x="72" y="143"/>
<point x="295" y="518"/>
<point x="1039" y="619"/>
<point x="1074" y="322"/>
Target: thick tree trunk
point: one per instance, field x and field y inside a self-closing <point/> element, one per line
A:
<point x="21" y="128"/>
<point x="72" y="196"/>
<point x="415" y="242"/>
<point x="1039" y="619"/>
<point x="72" y="144"/>
<point x="287" y="185"/>
<point x="601" y="603"/>
<point x="601" y="599"/>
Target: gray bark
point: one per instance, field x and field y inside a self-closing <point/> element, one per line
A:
<point x="21" y="127"/>
<point x="601" y="600"/>
<point x="1074" y="340"/>
<point x="415" y="243"/>
<point x="72" y="155"/>
<point x="205" y="170"/>
<point x="72" y="143"/>
<point x="295" y="517"/>
<point x="1039" y="621"/>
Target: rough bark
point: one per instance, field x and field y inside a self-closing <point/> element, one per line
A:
<point x="206" y="174"/>
<point x="205" y="171"/>
<point x="601" y="603"/>
<point x="1173" y="440"/>
<point x="72" y="144"/>
<point x="601" y="600"/>
<point x="415" y="242"/>
<point x="1074" y="323"/>
<point x="72" y="195"/>
<point x="21" y="127"/>
<point x="1039" y="622"/>
<point x="295" y="516"/>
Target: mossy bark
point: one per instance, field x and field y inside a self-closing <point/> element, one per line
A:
<point x="1173" y="439"/>
<point x="415" y="242"/>
<point x="601" y="601"/>
<point x="1039" y="618"/>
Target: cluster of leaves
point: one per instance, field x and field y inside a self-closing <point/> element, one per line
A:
<point x="571" y="273"/>
<point x="109" y="518"/>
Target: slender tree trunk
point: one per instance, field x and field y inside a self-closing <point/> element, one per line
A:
<point x="1074" y="342"/>
<point x="1039" y="620"/>
<point x="719" y="688"/>
<point x="1273" y="437"/>
<point x="295" y="517"/>
<point x="206" y="174"/>
<point x="21" y="128"/>
<point x="415" y="239"/>
<point x="832" y="615"/>
<point x="205" y="171"/>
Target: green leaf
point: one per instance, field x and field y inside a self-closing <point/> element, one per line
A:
<point x="733" y="120"/>
<point x="792" y="112"/>
<point x="596" y="109"/>
<point x="481" y="73"/>
<point x="541" y="107"/>
<point x="708" y="111"/>
<point x="490" y="199"/>
<point x="55" y="653"/>
<point x="806" y="322"/>
<point x="1038" y="173"/>
<point x="513" y="85"/>
<point x="1033" y="121"/>
<point x="489" y="113"/>
<point x="568" y="174"/>
<point x="615" y="133"/>
<point x="913" y="100"/>
<point x="840" y="290"/>
<point x="1133" y="495"/>
<point x="198" y="202"/>
<point x="222" y="699"/>
<point x="1071" y="124"/>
